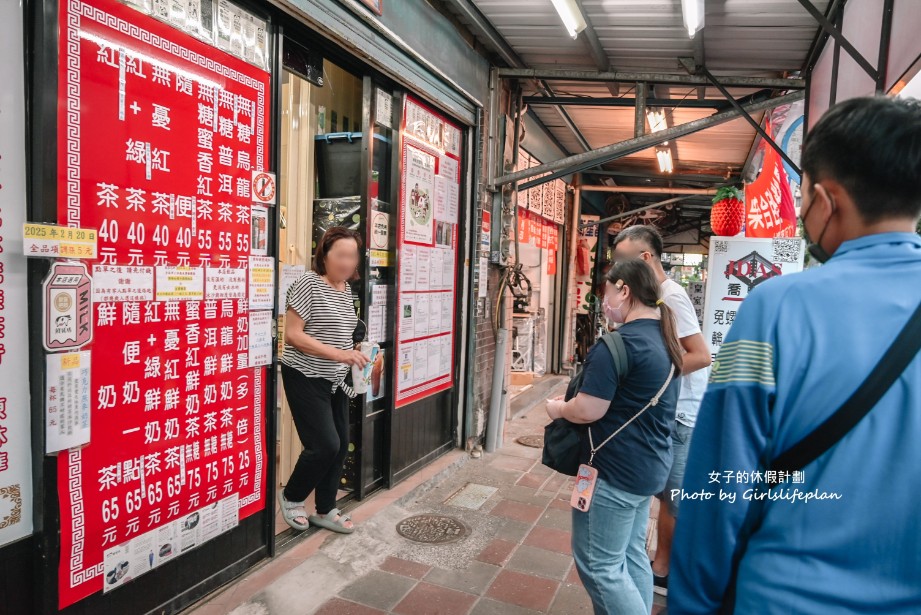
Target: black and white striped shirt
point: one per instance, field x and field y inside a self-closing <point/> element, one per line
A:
<point x="329" y="317"/>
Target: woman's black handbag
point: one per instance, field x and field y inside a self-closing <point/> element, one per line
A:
<point x="563" y="439"/>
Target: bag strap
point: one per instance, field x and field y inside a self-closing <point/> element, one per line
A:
<point x="618" y="350"/>
<point x="652" y="402"/>
<point x="895" y="361"/>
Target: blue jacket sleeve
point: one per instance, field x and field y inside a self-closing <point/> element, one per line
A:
<point x="731" y="435"/>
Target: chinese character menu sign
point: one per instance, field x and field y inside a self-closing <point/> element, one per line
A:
<point x="737" y="266"/>
<point x="159" y="136"/>
<point x="427" y="244"/>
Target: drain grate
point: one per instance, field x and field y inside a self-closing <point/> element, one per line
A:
<point x="531" y="441"/>
<point x="432" y="529"/>
<point x="472" y="496"/>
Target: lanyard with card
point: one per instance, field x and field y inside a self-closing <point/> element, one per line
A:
<point x="587" y="476"/>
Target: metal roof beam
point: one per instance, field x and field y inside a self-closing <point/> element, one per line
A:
<point x="688" y="64"/>
<point x="632" y="212"/>
<point x="818" y="43"/>
<point x="580" y="101"/>
<point x="593" y="158"/>
<point x="595" y="49"/>
<point x="836" y="33"/>
<point x="662" y="78"/>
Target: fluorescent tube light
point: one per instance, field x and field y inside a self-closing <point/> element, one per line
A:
<point x="656" y="119"/>
<point x="571" y="15"/>
<point x="664" y="156"/>
<point x="693" y="12"/>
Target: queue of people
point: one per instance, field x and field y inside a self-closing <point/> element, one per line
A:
<point x="796" y="389"/>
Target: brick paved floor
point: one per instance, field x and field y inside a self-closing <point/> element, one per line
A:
<point x="517" y="559"/>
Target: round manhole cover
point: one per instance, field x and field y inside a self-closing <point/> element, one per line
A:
<point x="532" y="441"/>
<point x="432" y="529"/>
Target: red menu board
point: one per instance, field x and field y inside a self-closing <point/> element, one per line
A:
<point x="158" y="137"/>
<point x="427" y="246"/>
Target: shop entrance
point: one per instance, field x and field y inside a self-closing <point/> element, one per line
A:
<point x="336" y="163"/>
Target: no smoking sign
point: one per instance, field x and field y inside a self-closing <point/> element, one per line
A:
<point x="264" y="187"/>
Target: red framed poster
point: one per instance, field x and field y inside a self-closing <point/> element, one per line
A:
<point x="427" y="248"/>
<point x="159" y="135"/>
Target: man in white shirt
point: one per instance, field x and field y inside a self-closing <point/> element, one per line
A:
<point x="645" y="242"/>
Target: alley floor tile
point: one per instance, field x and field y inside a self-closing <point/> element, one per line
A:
<point x="497" y="552"/>
<point x="493" y="607"/>
<point x="540" y="562"/>
<point x="475" y="579"/>
<point x="571" y="600"/>
<point x="378" y="589"/>
<point x="427" y="599"/>
<point x="523" y="590"/>
<point x="525" y="513"/>
<point x="550" y="539"/>
<point x="338" y="606"/>
<point x="405" y="568"/>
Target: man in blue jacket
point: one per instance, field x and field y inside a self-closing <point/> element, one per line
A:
<point x="842" y="536"/>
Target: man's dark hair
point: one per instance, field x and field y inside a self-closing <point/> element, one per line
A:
<point x="872" y="147"/>
<point x="646" y="234"/>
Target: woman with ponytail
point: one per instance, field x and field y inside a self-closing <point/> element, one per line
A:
<point x="609" y="534"/>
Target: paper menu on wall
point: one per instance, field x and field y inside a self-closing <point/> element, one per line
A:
<point x="408" y="268"/>
<point x="423" y="269"/>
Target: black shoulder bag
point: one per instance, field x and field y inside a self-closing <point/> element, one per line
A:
<point x="562" y="438"/>
<point x="894" y="362"/>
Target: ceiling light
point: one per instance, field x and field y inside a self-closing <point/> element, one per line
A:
<point x="693" y="11"/>
<point x="664" y="156"/>
<point x="656" y="119"/>
<point x="571" y="15"/>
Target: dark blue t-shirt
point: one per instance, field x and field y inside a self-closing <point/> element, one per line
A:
<point x="639" y="458"/>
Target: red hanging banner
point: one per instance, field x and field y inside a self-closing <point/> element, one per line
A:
<point x="769" y="201"/>
<point x="159" y="135"/>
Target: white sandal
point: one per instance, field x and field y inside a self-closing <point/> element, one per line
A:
<point x="291" y="511"/>
<point x="327" y="521"/>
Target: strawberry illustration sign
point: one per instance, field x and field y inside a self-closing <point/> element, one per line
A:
<point x="264" y="187"/>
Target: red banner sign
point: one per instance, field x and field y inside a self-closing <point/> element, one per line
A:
<point x="769" y="201"/>
<point x="159" y="136"/>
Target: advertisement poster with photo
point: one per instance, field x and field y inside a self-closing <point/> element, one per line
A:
<point x="15" y="425"/>
<point x="177" y="412"/>
<point x="427" y="247"/>
<point x="736" y="266"/>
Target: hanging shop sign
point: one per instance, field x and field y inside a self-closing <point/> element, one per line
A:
<point x="67" y="295"/>
<point x="427" y="245"/>
<point x="176" y="454"/>
<point x="15" y="427"/>
<point x="736" y="266"/>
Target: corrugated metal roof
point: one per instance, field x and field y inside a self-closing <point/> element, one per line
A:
<point x="753" y="38"/>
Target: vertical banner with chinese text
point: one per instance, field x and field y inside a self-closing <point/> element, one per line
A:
<point x="427" y="245"/>
<point x="158" y="137"/>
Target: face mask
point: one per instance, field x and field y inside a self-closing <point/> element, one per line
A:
<point x="615" y="314"/>
<point x="815" y="248"/>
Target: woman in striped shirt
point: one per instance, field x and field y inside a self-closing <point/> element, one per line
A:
<point x="320" y="339"/>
